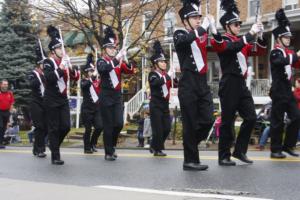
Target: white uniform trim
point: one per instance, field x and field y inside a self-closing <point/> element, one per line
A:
<point x="42" y="88"/>
<point x="93" y="92"/>
<point x="164" y="86"/>
<point x="243" y="63"/>
<point x="113" y="76"/>
<point x="287" y="68"/>
<point x="60" y="82"/>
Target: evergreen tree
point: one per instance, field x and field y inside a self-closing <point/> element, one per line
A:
<point x="17" y="47"/>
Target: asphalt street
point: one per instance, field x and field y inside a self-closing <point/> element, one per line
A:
<point x="138" y="175"/>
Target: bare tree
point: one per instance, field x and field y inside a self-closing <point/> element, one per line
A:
<point x="90" y="17"/>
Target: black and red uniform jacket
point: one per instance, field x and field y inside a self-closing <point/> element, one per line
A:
<point x="90" y="92"/>
<point x="160" y="84"/>
<point x="282" y="61"/>
<point x="110" y="71"/>
<point x="37" y="83"/>
<point x="57" y="82"/>
<point x="234" y="51"/>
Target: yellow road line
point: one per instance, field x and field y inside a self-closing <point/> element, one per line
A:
<point x="132" y="155"/>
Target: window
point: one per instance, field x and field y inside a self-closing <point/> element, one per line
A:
<point x="148" y="16"/>
<point x="253" y="7"/>
<point x="169" y="23"/>
<point x="290" y="4"/>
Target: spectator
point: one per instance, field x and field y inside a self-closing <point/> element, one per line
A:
<point x="30" y="134"/>
<point x="13" y="127"/>
<point x="6" y="102"/>
<point x="264" y="117"/>
<point x="297" y="96"/>
<point x="147" y="133"/>
<point x="140" y="130"/>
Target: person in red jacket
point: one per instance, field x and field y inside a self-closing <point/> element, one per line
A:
<point x="297" y="97"/>
<point x="297" y="92"/>
<point x="6" y="102"/>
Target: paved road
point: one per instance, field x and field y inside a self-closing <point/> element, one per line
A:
<point x="137" y="175"/>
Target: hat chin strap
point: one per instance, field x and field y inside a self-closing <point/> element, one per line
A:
<point x="280" y="38"/>
<point x="188" y="20"/>
<point x="231" y="32"/>
<point x="57" y="55"/>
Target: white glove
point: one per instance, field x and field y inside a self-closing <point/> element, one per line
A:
<point x="66" y="62"/>
<point x="260" y="34"/>
<point x="212" y="24"/>
<point x="298" y="53"/>
<point x="256" y="28"/>
<point x="205" y="23"/>
<point x="121" y="54"/>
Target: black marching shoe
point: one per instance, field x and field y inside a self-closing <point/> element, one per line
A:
<point x="41" y="155"/>
<point x="94" y="148"/>
<point x="151" y="150"/>
<point x="34" y="152"/>
<point x="58" y="162"/>
<point x="109" y="157"/>
<point x="290" y="151"/>
<point x="278" y="155"/>
<point x="88" y="151"/>
<point x="159" y="153"/>
<point x="242" y="157"/>
<point x="227" y="162"/>
<point x="55" y="159"/>
<point x="194" y="167"/>
<point x="115" y="155"/>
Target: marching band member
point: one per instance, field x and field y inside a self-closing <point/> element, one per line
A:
<point x="194" y="94"/>
<point x="160" y="84"/>
<point x="37" y="108"/>
<point x="233" y="92"/>
<point x="90" y="107"/>
<point x="282" y="60"/>
<point x="58" y="71"/>
<point x="110" y="67"/>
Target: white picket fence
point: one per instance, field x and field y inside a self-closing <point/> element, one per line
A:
<point x="134" y="104"/>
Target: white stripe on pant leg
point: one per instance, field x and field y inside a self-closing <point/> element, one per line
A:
<point x="174" y="193"/>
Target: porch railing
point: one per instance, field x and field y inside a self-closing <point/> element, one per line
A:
<point x="134" y="104"/>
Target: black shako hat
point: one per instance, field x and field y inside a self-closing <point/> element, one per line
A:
<point x="283" y="28"/>
<point x="231" y="13"/>
<point x="89" y="66"/>
<point x="190" y="8"/>
<point x="110" y="39"/>
<point x="40" y="54"/>
<point x="55" y="40"/>
<point x="158" y="53"/>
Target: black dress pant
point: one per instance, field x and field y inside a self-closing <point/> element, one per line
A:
<point x="38" y="116"/>
<point x="235" y="97"/>
<point x="160" y="124"/>
<point x="112" y="117"/>
<point x="281" y="106"/>
<point x="4" y="118"/>
<point x="91" y="118"/>
<point x="196" y="107"/>
<point x="58" y="122"/>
